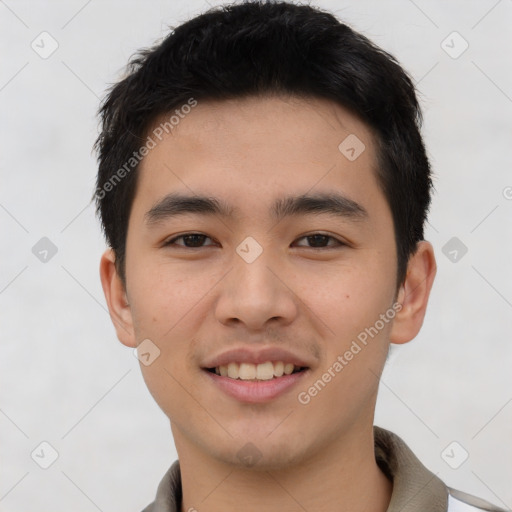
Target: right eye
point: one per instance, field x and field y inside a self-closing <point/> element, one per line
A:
<point x="191" y="240"/>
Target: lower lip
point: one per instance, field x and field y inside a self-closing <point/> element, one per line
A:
<point x="256" y="391"/>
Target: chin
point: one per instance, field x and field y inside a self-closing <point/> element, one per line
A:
<point x="259" y="453"/>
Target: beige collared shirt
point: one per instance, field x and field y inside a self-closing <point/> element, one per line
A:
<point x="415" y="488"/>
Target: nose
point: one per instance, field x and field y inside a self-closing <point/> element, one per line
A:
<point x="256" y="294"/>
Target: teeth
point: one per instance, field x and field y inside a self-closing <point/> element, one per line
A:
<point x="288" y="368"/>
<point x="278" y="369"/>
<point x="249" y="371"/>
<point x="233" y="370"/>
<point x="246" y="371"/>
<point x="265" y="371"/>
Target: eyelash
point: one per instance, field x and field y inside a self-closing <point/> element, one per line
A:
<point x="171" y="242"/>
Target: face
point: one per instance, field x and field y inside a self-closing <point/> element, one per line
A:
<point x="284" y="253"/>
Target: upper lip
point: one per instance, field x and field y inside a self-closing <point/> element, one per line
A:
<point x="255" y="356"/>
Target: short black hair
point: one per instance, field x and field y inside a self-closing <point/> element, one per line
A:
<point x="265" y="48"/>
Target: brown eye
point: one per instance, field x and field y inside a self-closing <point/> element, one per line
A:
<point x="190" y="240"/>
<point x="320" y="241"/>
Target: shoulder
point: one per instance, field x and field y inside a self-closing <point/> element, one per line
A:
<point x="168" y="495"/>
<point x="459" y="501"/>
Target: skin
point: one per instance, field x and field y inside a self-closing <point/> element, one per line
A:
<point x="198" y="302"/>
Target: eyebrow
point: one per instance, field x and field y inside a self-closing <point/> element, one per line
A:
<point x="334" y="204"/>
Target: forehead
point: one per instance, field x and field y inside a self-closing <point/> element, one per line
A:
<point x="278" y="122"/>
<point x="259" y="148"/>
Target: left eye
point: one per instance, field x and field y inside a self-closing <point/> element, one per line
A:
<point x="195" y="240"/>
<point x="318" y="240"/>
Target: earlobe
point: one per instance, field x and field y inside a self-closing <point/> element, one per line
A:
<point x="115" y="295"/>
<point x="414" y="293"/>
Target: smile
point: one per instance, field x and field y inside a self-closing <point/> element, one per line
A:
<point x="256" y="372"/>
<point x="248" y="385"/>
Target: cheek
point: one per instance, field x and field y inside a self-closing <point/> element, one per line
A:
<point x="163" y="310"/>
<point x="348" y="300"/>
<point x="161" y="299"/>
<point x="356" y="347"/>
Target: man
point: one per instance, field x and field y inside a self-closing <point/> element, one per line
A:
<point x="263" y="187"/>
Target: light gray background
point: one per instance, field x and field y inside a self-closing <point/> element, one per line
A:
<point x="64" y="377"/>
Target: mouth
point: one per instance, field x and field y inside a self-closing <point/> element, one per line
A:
<point x="270" y="370"/>
<point x="256" y="383"/>
<point x="260" y="375"/>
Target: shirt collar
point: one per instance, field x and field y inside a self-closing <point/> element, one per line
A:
<point x="415" y="488"/>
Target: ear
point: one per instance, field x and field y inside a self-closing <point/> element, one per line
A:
<point x="115" y="295"/>
<point x="414" y="293"/>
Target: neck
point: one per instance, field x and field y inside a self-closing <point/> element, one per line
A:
<point x="342" y="477"/>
